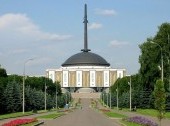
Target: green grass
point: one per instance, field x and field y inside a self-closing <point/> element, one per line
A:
<point x="167" y="115"/>
<point x="151" y="112"/>
<point x="50" y="116"/>
<point x="19" y="114"/>
<point x="12" y="115"/>
<point x="114" y="115"/>
<point x="30" y="124"/>
<point x="130" y="123"/>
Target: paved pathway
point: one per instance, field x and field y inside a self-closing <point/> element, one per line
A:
<point x="83" y="117"/>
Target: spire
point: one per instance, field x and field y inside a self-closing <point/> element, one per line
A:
<point x="85" y="30"/>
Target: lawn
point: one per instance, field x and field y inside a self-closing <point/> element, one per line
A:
<point x="19" y="114"/>
<point x="50" y="116"/>
<point x="34" y="123"/>
<point x="151" y="112"/>
<point x="130" y="123"/>
<point x="12" y="115"/>
<point x="30" y="124"/>
<point x="114" y="115"/>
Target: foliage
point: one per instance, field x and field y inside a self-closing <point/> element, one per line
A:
<point x="12" y="97"/>
<point x="11" y="93"/>
<point x="141" y="98"/>
<point x="160" y="97"/>
<point x="124" y="100"/>
<point x="34" y="99"/>
<point x="150" y="57"/>
<point x="168" y="102"/>
<point x="3" y="72"/>
<point x="143" y="82"/>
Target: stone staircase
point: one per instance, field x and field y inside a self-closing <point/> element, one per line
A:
<point x="86" y="95"/>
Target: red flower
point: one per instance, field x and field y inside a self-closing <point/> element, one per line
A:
<point x="18" y="122"/>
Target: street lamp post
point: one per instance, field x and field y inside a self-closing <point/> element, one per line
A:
<point x="45" y="95"/>
<point x="56" y="98"/>
<point x="103" y="98"/>
<point x="130" y="93"/>
<point x="23" y="87"/>
<point x="107" y="100"/>
<point x="162" y="69"/>
<point x="117" y="98"/>
<point x="110" y="100"/>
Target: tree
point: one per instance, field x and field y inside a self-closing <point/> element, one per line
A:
<point x="58" y="86"/>
<point x="160" y="98"/>
<point x="3" y="72"/>
<point x="12" y="97"/>
<point x="150" y="57"/>
<point x="34" y="99"/>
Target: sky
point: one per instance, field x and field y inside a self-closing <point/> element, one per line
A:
<point x="50" y="31"/>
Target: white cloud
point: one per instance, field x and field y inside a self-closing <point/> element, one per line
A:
<point x="117" y="43"/>
<point x="23" y="25"/>
<point x="36" y="61"/>
<point x="94" y="26"/>
<point x="42" y="60"/>
<point x="19" y="51"/>
<point x="106" y="12"/>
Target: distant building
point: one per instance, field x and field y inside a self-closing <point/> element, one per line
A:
<point x="85" y="71"/>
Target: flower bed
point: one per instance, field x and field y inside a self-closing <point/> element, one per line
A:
<point x="141" y="120"/>
<point x="18" y="122"/>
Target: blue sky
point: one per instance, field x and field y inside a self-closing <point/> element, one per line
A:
<point x="52" y="31"/>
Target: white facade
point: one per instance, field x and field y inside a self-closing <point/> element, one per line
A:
<point x="79" y="79"/>
<point x="92" y="78"/>
<point x="65" y="78"/>
<point x="51" y="75"/>
<point x="119" y="73"/>
<point x="107" y="78"/>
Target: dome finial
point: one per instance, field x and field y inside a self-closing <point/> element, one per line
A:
<point x="85" y="30"/>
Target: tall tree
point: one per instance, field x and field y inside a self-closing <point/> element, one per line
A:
<point x="150" y="58"/>
<point x="3" y="72"/>
<point x="12" y="96"/>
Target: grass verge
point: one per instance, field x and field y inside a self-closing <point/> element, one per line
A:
<point x="20" y="114"/>
<point x="129" y="123"/>
<point x="13" y="115"/>
<point x="50" y="116"/>
<point x="30" y="124"/>
<point x="114" y="115"/>
<point x="151" y="112"/>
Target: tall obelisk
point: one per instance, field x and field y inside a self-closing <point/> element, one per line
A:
<point x="85" y="30"/>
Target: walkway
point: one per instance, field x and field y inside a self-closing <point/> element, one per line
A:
<point x="83" y="117"/>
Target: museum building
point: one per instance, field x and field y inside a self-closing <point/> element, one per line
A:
<point x="85" y="70"/>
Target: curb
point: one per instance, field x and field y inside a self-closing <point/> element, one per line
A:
<point x="38" y="124"/>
